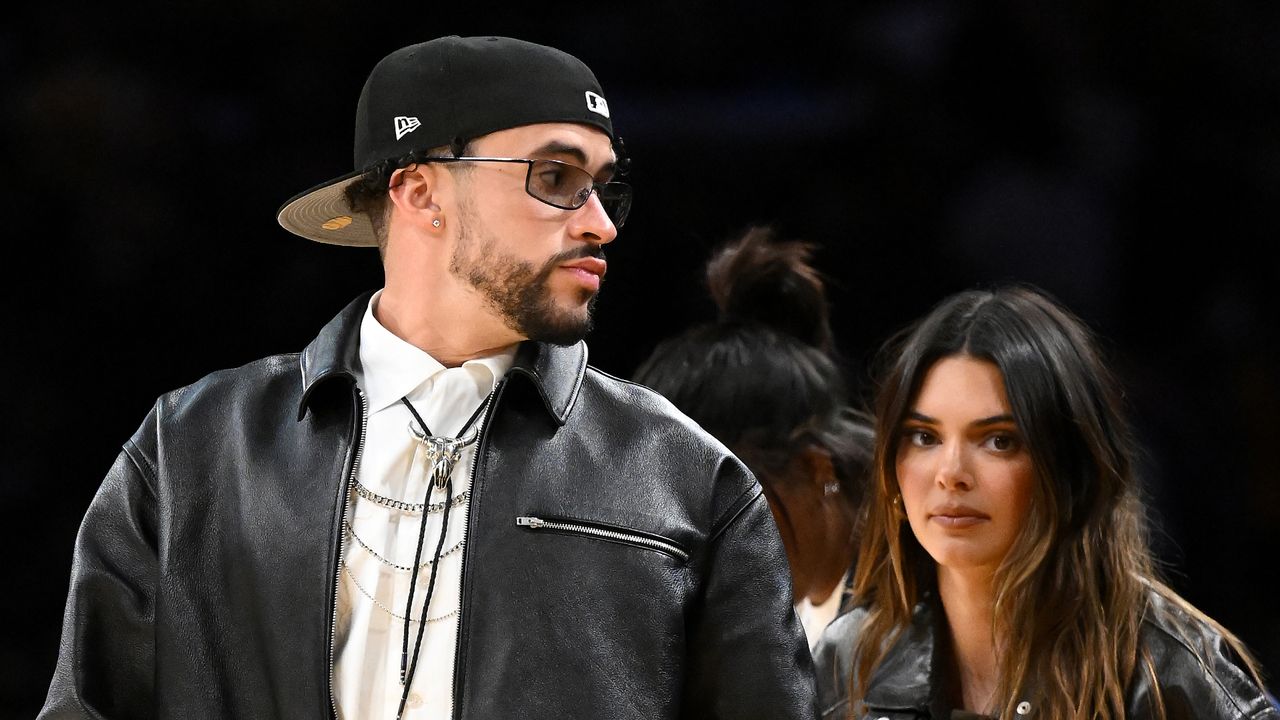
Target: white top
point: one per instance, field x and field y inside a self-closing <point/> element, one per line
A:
<point x="371" y="592"/>
<point x="816" y="618"/>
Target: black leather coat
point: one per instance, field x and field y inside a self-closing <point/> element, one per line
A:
<point x="906" y="685"/>
<point x="204" y="572"/>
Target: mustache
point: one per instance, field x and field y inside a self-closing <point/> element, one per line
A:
<point x="587" y="251"/>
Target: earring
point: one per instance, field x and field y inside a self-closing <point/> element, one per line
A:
<point x="830" y="488"/>
<point x="435" y="223"/>
<point x="896" y="503"/>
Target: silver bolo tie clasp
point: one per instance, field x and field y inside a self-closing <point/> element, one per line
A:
<point x="441" y="454"/>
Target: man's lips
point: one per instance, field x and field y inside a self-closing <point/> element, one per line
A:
<point x="958" y="516"/>
<point x="595" y="266"/>
<point x="589" y="271"/>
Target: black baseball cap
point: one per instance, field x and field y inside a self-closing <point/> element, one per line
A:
<point x="427" y="95"/>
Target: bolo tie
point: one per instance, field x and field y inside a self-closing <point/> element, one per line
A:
<point x="442" y="453"/>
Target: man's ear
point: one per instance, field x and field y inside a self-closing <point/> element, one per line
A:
<point x="414" y="194"/>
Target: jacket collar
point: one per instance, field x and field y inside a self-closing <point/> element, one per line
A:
<point x="555" y="371"/>
<point x="907" y="677"/>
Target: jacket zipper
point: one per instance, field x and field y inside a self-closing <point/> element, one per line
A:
<point x="631" y="538"/>
<point x="456" y="712"/>
<point x="342" y="537"/>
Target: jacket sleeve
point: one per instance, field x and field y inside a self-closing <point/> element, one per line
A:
<point x="747" y="651"/>
<point x="105" y="662"/>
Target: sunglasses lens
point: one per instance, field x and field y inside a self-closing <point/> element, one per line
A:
<point x="558" y="184"/>
<point x="568" y="187"/>
<point x="616" y="199"/>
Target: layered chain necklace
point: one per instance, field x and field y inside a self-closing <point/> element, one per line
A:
<point x="441" y="454"/>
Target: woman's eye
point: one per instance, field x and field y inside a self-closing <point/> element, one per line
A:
<point x="1002" y="442"/>
<point x="921" y="438"/>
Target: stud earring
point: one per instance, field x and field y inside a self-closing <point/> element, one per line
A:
<point x="435" y="223"/>
<point x="830" y="488"/>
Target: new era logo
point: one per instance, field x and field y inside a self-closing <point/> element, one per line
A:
<point x="596" y="104"/>
<point x="406" y="125"/>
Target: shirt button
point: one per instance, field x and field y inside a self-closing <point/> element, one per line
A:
<point x="415" y="700"/>
<point x="1024" y="708"/>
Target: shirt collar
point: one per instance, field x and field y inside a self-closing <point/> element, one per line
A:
<point x="392" y="368"/>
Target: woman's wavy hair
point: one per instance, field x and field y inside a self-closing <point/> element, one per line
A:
<point x="765" y="377"/>
<point x="1073" y="588"/>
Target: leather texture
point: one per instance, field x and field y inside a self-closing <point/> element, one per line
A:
<point x="904" y="686"/>
<point x="204" y="571"/>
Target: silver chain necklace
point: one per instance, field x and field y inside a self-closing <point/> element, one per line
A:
<point x="407" y="507"/>
<point x="388" y="610"/>
<point x="429" y="561"/>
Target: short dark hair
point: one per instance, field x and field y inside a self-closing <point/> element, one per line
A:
<point x="368" y="193"/>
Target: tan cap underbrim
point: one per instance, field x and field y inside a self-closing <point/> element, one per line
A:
<point x="323" y="214"/>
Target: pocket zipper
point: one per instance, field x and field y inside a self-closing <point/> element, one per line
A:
<point x="631" y="538"/>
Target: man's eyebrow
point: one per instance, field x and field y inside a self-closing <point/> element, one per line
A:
<point x="555" y="147"/>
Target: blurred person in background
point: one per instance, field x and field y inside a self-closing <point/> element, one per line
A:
<point x="765" y="380"/>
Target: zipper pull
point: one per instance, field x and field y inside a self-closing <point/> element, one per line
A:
<point x="532" y="522"/>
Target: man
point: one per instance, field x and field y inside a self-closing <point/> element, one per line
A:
<point x="437" y="509"/>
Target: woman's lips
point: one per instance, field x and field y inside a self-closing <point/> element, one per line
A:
<point x="958" y="517"/>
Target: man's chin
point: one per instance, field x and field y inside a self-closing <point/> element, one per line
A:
<point x="564" y="326"/>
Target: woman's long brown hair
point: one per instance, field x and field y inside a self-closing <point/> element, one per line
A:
<point x="1071" y="594"/>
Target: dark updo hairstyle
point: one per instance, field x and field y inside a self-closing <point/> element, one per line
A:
<point x="764" y="378"/>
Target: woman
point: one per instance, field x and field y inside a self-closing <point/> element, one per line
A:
<point x="1004" y="567"/>
<point x="764" y="380"/>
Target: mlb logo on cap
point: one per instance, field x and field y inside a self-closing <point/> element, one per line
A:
<point x="596" y="104"/>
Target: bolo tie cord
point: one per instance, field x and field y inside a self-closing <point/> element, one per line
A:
<point x="408" y="667"/>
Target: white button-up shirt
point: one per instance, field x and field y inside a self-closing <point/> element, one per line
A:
<point x="380" y="542"/>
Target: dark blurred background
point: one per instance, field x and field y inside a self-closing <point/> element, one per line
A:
<point x="1123" y="156"/>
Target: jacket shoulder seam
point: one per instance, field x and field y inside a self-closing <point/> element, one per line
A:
<point x="610" y="376"/>
<point x="141" y="463"/>
<point x="1204" y="662"/>
<point x="735" y="510"/>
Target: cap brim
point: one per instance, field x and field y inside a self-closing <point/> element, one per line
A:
<point x="323" y="214"/>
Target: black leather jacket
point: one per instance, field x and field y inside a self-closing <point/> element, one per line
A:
<point x="204" y="572"/>
<point x="906" y="684"/>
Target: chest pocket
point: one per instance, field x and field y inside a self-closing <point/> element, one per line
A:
<point x="603" y="532"/>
